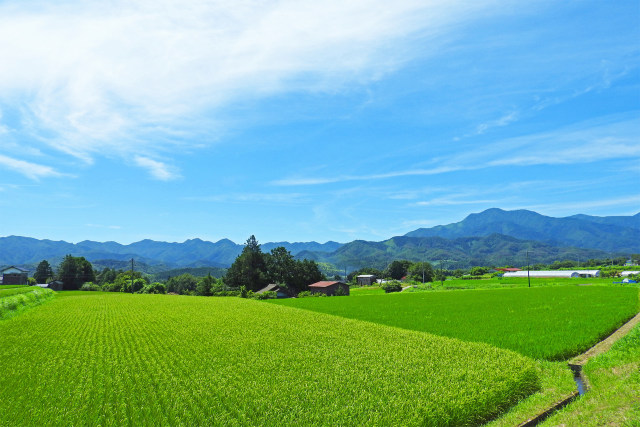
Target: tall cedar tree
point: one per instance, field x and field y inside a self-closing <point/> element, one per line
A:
<point x="249" y="269"/>
<point x="43" y="272"/>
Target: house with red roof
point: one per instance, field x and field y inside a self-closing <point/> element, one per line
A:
<point x="329" y="288"/>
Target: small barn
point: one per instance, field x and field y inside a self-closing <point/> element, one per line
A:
<point x="366" y="279"/>
<point x="14" y="276"/>
<point x="329" y="288"/>
<point x="280" y="291"/>
<point x="55" y="285"/>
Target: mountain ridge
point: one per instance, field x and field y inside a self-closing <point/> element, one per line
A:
<point x="492" y="236"/>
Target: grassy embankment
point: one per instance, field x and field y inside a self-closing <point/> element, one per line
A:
<point x="113" y="359"/>
<point x="614" y="397"/>
<point x="14" y="300"/>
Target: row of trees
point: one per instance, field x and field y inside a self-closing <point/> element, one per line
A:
<point x="254" y="269"/>
<point x="73" y="272"/>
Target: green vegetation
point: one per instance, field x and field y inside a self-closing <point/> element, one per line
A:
<point x="254" y="269"/>
<point x="614" y="397"/>
<point x="365" y="290"/>
<point x="551" y="323"/>
<point x="14" y="301"/>
<point x="7" y="287"/>
<point x="74" y="272"/>
<point x="470" y="282"/>
<point x="121" y="359"/>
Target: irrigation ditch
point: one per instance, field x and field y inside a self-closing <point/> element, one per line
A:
<point x="576" y="364"/>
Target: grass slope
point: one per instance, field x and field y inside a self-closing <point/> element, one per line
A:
<point x="15" y="300"/>
<point x="115" y="359"/>
<point x="551" y="323"/>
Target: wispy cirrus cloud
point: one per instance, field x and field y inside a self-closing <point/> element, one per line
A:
<point x="158" y="170"/>
<point x="30" y="170"/>
<point x="138" y="77"/>
<point x="603" y="139"/>
<point x="278" y="198"/>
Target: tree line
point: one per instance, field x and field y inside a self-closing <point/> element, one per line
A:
<point x="251" y="271"/>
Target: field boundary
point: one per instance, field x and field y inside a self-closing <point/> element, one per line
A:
<point x="605" y="344"/>
<point x="577" y="363"/>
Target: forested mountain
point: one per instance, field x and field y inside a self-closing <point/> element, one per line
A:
<point x="16" y="250"/>
<point x="612" y="234"/>
<point x="494" y="236"/>
<point x="463" y="252"/>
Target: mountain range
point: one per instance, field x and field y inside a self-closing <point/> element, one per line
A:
<point x="494" y="236"/>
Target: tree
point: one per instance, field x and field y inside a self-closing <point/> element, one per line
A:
<point x="206" y="286"/>
<point x="74" y="272"/>
<point x="182" y="284"/>
<point x="421" y="272"/>
<point x="249" y="269"/>
<point x="397" y="269"/>
<point x="306" y="273"/>
<point x="479" y="271"/>
<point x="44" y="272"/>
<point x="108" y="275"/>
<point x="281" y="267"/>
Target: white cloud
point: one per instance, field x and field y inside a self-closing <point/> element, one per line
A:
<point x="94" y="78"/>
<point x="157" y="169"/>
<point x="28" y="169"/>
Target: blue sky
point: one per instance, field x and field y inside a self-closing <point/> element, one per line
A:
<point x="304" y="120"/>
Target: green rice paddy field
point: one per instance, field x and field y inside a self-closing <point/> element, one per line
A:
<point x="552" y="323"/>
<point x="121" y="359"/>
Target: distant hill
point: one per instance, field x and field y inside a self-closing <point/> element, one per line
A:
<point x="193" y="253"/>
<point x="494" y="236"/>
<point x="463" y="252"/>
<point x="612" y="234"/>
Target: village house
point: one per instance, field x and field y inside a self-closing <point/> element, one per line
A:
<point x="329" y="288"/>
<point x="14" y="276"/>
<point x="366" y="279"/>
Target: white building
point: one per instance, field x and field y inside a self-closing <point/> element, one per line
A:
<point x="627" y="273"/>
<point x="554" y="273"/>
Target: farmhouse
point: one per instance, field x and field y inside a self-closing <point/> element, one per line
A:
<point x="554" y="273"/>
<point x="329" y="288"/>
<point x="14" y="276"/>
<point x="280" y="291"/>
<point x="366" y="279"/>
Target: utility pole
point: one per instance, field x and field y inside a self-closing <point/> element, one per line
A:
<point x="131" y="275"/>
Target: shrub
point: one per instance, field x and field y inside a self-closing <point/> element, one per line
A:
<point x="90" y="286"/>
<point x="307" y="294"/>
<point x="393" y="286"/>
<point x="265" y="295"/>
<point x="154" y="288"/>
<point x="112" y="287"/>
